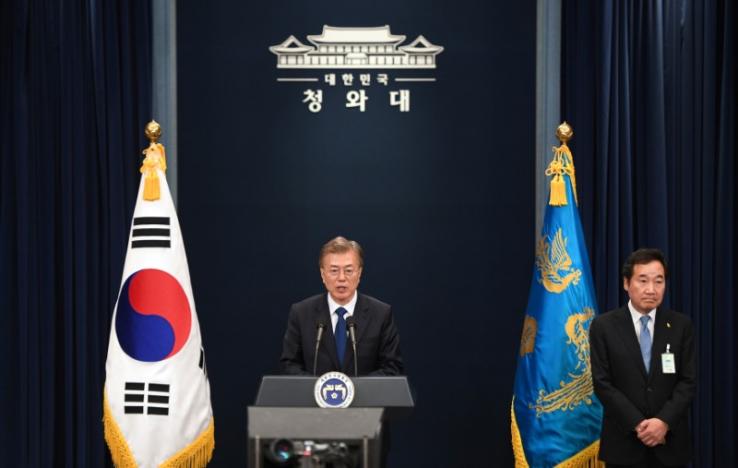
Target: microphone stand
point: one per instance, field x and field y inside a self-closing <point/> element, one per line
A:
<point x="352" y="333"/>
<point x="321" y="327"/>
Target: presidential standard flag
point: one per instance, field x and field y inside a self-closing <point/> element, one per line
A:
<point x="555" y="415"/>
<point x="157" y="410"/>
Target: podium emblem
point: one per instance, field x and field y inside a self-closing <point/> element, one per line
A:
<point x="334" y="390"/>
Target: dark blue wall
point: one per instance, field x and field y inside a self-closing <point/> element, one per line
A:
<point x="441" y="198"/>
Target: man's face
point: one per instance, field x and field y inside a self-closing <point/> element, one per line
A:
<point x="341" y="274"/>
<point x="646" y="287"/>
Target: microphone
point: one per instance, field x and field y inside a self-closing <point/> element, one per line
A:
<point x="321" y="327"/>
<point x="351" y="325"/>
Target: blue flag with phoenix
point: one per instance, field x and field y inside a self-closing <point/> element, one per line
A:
<point x="556" y="417"/>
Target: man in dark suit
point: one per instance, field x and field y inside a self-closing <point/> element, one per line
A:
<point x="644" y="371"/>
<point x="377" y="341"/>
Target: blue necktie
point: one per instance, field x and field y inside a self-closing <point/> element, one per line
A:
<point x="341" y="334"/>
<point x="646" y="342"/>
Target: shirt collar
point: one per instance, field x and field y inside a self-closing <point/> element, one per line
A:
<point x="333" y="305"/>
<point x="636" y="316"/>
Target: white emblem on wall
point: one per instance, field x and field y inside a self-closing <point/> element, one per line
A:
<point x="361" y="47"/>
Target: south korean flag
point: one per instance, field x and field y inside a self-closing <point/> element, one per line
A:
<point x="157" y="409"/>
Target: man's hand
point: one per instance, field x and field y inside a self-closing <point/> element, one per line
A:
<point x="652" y="432"/>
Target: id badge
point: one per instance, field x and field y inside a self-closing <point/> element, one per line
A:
<point x="668" y="365"/>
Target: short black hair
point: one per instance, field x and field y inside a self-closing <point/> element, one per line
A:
<point x="641" y="257"/>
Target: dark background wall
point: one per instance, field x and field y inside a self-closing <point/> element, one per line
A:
<point x="441" y="198"/>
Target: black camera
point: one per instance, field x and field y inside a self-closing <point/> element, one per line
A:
<point x="312" y="454"/>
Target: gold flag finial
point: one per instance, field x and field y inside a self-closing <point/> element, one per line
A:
<point x="564" y="132"/>
<point x="562" y="164"/>
<point x="154" y="162"/>
<point x="153" y="131"/>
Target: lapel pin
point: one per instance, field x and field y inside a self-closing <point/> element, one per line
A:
<point x="668" y="325"/>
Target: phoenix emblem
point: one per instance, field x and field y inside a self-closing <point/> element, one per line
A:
<point x="554" y="264"/>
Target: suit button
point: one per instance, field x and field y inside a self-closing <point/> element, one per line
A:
<point x="649" y="389"/>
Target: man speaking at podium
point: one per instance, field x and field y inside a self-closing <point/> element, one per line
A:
<point x="332" y="323"/>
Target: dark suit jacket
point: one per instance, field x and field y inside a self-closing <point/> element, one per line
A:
<point x="377" y="340"/>
<point x="630" y="395"/>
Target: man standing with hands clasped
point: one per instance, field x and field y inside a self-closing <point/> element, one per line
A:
<point x="644" y="371"/>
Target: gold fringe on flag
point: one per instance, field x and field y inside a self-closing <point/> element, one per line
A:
<point x="562" y="164"/>
<point x="517" y="442"/>
<point x="120" y="452"/>
<point x="586" y="458"/>
<point x="197" y="454"/>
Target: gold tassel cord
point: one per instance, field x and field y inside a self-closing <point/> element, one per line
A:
<point x="517" y="441"/>
<point x="196" y="455"/>
<point x="120" y="452"/>
<point x="155" y="160"/>
<point x="562" y="164"/>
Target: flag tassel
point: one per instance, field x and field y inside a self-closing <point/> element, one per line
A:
<point x="562" y="164"/>
<point x="154" y="162"/>
<point x="120" y="452"/>
<point x="558" y="191"/>
<point x="151" y="187"/>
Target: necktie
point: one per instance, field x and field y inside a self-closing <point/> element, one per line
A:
<point x="341" y="334"/>
<point x="646" y="342"/>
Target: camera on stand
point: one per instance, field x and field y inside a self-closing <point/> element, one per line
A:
<point x="311" y="454"/>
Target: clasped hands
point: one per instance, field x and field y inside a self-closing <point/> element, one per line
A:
<point x="652" y="432"/>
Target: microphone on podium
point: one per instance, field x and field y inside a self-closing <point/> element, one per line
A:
<point x="351" y="325"/>
<point x="321" y="328"/>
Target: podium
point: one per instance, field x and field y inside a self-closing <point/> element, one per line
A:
<point x="287" y="428"/>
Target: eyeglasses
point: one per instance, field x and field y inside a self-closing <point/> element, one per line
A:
<point x="335" y="272"/>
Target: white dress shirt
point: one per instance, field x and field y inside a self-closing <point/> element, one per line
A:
<point x="333" y="305"/>
<point x="636" y="316"/>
